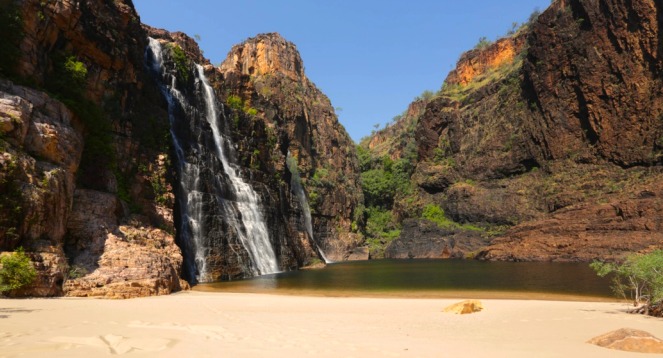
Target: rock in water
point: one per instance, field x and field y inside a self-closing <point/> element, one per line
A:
<point x="465" y="307"/>
<point x="629" y="340"/>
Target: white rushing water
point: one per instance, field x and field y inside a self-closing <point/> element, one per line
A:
<point x="191" y="209"/>
<point x="248" y="222"/>
<point x="244" y="214"/>
<point x="296" y="185"/>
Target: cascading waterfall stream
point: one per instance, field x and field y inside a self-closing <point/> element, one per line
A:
<point x="242" y="210"/>
<point x="296" y="185"/>
<point x="248" y="222"/>
<point x="190" y="212"/>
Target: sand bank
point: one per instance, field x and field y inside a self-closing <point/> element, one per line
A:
<point x="200" y="324"/>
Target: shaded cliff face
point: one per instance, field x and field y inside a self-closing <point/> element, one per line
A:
<point x="548" y="140"/>
<point x="264" y="77"/>
<point x="592" y="77"/>
<point x="593" y="71"/>
<point x="90" y="162"/>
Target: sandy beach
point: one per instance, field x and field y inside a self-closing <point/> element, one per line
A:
<point x="202" y="324"/>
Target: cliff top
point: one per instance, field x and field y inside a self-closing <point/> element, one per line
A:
<point x="265" y="54"/>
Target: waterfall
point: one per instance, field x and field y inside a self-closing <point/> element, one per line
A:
<point x="248" y="222"/>
<point x="223" y="195"/>
<point x="298" y="190"/>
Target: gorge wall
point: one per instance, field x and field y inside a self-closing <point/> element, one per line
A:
<point x="90" y="172"/>
<point x="266" y="73"/>
<point x="544" y="145"/>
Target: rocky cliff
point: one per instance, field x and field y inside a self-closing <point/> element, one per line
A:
<point x="264" y="77"/>
<point x="546" y="145"/>
<point x="394" y="139"/>
<point x="86" y="166"/>
<point x="92" y="180"/>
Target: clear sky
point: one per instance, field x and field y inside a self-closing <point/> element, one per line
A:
<point x="371" y="58"/>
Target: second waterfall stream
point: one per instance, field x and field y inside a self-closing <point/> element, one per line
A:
<point x="212" y="194"/>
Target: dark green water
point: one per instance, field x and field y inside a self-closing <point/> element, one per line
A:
<point x="432" y="278"/>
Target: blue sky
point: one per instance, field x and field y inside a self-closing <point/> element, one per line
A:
<point x="371" y="58"/>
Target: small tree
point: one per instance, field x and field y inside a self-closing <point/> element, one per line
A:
<point x="483" y="43"/>
<point x="639" y="276"/>
<point x="17" y="271"/>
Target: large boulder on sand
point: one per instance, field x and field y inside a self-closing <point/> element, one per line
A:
<point x="630" y="340"/>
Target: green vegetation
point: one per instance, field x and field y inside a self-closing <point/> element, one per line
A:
<point x="382" y="178"/>
<point x="181" y="62"/>
<point x="379" y="188"/>
<point x="320" y="182"/>
<point x="507" y="73"/>
<point x="426" y="96"/>
<point x="67" y="83"/>
<point x="435" y="214"/>
<point x="234" y="102"/>
<point x="77" y="71"/>
<point x="384" y="182"/>
<point x="11" y="33"/>
<point x="76" y="271"/>
<point x="68" y="77"/>
<point x="17" y="271"/>
<point x="483" y="43"/>
<point x="237" y="104"/>
<point x="381" y="229"/>
<point x="640" y="278"/>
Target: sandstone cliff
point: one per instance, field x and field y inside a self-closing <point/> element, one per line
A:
<point x="546" y="145"/>
<point x="267" y="73"/>
<point x="78" y="167"/>
<point x="90" y="174"/>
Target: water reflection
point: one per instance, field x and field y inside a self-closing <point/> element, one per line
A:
<point x="429" y="278"/>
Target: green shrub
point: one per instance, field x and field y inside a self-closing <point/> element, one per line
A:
<point x="321" y="179"/>
<point x="436" y="214"/>
<point x="378" y="187"/>
<point x="76" y="271"/>
<point x="639" y="277"/>
<point x="483" y="43"/>
<point x="381" y="230"/>
<point x="17" y="271"/>
<point x="234" y="102"/>
<point x="67" y="80"/>
<point x="76" y="70"/>
<point x="181" y="62"/>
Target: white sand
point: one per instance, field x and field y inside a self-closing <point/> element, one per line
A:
<point x="199" y="324"/>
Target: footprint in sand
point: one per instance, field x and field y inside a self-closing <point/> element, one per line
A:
<point x="209" y="332"/>
<point x="116" y="344"/>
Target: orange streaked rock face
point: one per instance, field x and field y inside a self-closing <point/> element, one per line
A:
<point x="264" y="55"/>
<point x="479" y="61"/>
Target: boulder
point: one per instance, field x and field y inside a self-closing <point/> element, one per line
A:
<point x="465" y="307"/>
<point x="629" y="340"/>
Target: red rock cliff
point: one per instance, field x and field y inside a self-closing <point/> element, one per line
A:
<point x="267" y="72"/>
<point x="556" y="144"/>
